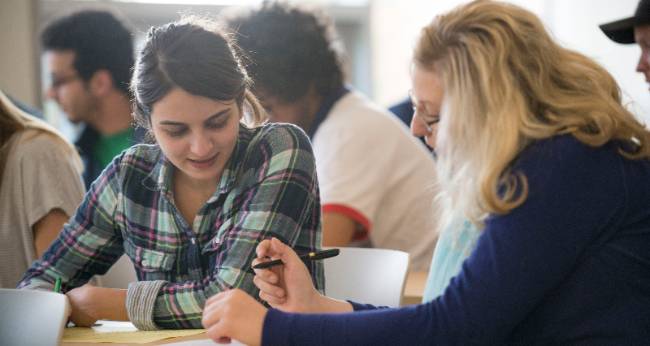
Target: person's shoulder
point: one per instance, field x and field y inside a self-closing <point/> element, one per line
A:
<point x="277" y="136"/>
<point x="32" y="143"/>
<point x="564" y="147"/>
<point x="565" y="153"/>
<point x="357" y="107"/>
<point x="276" y="145"/>
<point x="142" y="156"/>
<point x="356" y="114"/>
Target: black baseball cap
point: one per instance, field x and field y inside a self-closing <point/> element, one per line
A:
<point x="622" y="31"/>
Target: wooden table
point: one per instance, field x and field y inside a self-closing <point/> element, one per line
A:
<point x="413" y="291"/>
<point x="414" y="288"/>
<point x="160" y="342"/>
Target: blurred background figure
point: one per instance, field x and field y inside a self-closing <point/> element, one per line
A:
<point x="403" y="110"/>
<point x="40" y="188"/>
<point x="376" y="181"/>
<point x="634" y="29"/>
<point x="90" y="57"/>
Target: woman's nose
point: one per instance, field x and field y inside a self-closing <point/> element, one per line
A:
<point x="201" y="145"/>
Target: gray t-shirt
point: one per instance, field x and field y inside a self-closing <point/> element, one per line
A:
<point x="39" y="176"/>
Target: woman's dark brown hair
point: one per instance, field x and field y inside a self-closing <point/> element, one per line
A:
<point x="197" y="57"/>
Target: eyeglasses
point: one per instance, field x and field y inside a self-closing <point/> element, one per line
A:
<point x="423" y="112"/>
<point x="58" y="82"/>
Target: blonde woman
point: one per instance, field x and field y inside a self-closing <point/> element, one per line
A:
<point x="40" y="188"/>
<point x="535" y="147"/>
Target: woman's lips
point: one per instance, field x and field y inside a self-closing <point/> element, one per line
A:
<point x="202" y="164"/>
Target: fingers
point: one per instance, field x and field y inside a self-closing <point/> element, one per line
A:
<point x="263" y="248"/>
<point x="217" y="333"/>
<point x="272" y="248"/>
<point x="273" y="301"/>
<point x="211" y="314"/>
<point x="216" y="297"/>
<point x="268" y="288"/>
<point x="266" y="274"/>
<point x="213" y="308"/>
<point x="285" y="253"/>
<point x="223" y="340"/>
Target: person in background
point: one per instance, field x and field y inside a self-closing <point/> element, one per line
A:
<point x="90" y="58"/>
<point x="376" y="180"/>
<point x="403" y="110"/>
<point x="36" y="113"/>
<point x="631" y="30"/>
<point x="40" y="186"/>
<point x="190" y="209"/>
<point x="535" y="147"/>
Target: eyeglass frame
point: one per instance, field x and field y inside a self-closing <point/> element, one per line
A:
<point x="418" y="107"/>
<point x="59" y="82"/>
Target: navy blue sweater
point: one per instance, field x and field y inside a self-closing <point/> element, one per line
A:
<point x="571" y="265"/>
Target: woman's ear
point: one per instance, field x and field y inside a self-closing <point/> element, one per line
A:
<point x="240" y="109"/>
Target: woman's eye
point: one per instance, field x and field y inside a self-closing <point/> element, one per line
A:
<point x="176" y="133"/>
<point x="432" y="119"/>
<point x="217" y="125"/>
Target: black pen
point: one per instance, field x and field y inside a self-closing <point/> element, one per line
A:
<point x="311" y="256"/>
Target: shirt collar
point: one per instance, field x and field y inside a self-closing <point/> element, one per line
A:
<point x="325" y="108"/>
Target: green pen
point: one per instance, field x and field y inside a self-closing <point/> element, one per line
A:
<point x="57" y="285"/>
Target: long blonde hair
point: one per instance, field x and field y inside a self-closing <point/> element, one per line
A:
<point x="507" y="84"/>
<point x="13" y="121"/>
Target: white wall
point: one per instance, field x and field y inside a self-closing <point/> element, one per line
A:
<point x="18" y="59"/>
<point x="396" y="24"/>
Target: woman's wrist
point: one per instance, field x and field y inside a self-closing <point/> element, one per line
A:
<point x="326" y="304"/>
<point x="113" y="305"/>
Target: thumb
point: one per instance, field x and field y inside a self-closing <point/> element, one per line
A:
<point x="286" y="253"/>
<point x="263" y="248"/>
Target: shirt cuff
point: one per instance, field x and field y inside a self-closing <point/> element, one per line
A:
<point x="275" y="330"/>
<point x="361" y="307"/>
<point x="350" y="212"/>
<point x="140" y="300"/>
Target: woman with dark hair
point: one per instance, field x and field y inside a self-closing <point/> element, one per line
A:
<point x="190" y="209"/>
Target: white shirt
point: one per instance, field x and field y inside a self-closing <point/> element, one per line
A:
<point x="371" y="169"/>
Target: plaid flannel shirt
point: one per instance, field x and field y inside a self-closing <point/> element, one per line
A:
<point x="268" y="188"/>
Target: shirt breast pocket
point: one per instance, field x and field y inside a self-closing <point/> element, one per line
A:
<point x="151" y="264"/>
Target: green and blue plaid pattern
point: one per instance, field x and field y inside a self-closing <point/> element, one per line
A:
<point x="269" y="188"/>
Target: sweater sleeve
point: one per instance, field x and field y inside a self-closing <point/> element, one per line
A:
<point x="575" y="194"/>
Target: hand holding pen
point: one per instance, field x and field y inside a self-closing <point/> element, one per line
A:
<point x="288" y="287"/>
<point x="310" y="256"/>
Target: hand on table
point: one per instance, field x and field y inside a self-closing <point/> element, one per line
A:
<point x="234" y="314"/>
<point x="90" y="303"/>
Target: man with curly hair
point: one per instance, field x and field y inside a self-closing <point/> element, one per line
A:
<point x="376" y="180"/>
